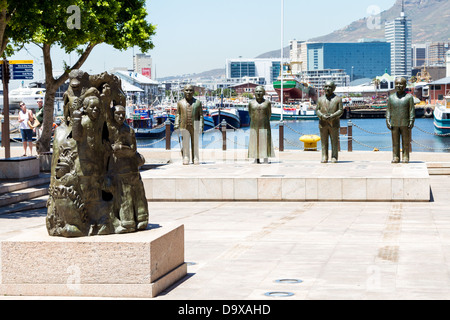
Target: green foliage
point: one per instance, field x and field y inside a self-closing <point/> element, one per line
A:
<point x="121" y="24"/>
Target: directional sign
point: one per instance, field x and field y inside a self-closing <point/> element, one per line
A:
<point x="20" y="70"/>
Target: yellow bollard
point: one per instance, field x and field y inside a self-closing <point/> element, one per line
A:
<point x="310" y="142"/>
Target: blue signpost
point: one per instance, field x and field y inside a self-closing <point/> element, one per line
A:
<point x="20" y="70"/>
<point x="12" y="70"/>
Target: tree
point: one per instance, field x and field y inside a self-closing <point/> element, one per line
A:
<point x="79" y="25"/>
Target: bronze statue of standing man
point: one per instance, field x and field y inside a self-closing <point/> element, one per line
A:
<point x="189" y="119"/>
<point x="329" y="110"/>
<point x="400" y="117"/>
<point x="260" y="144"/>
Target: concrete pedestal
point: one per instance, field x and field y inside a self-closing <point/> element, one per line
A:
<point x="19" y="168"/>
<point x="137" y="265"/>
<point x="289" y="181"/>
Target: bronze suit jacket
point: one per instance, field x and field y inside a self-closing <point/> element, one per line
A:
<point x="182" y="118"/>
<point x="333" y="108"/>
<point x="400" y="111"/>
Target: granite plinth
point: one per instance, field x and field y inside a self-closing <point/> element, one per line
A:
<point x="289" y="181"/>
<point x="136" y="265"/>
<point x="19" y="168"/>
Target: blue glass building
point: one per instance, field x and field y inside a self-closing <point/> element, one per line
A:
<point x="359" y="59"/>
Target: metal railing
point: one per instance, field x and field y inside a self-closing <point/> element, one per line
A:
<point x="347" y="136"/>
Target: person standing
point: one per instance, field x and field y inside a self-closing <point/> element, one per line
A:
<point x="25" y="117"/>
<point x="329" y="110"/>
<point x="400" y="117"/>
<point x="260" y="145"/>
<point x="39" y="119"/>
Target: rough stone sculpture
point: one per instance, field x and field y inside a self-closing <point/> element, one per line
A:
<point x="400" y="118"/>
<point x="260" y="145"/>
<point x="189" y="120"/>
<point x="95" y="186"/>
<point x="329" y="110"/>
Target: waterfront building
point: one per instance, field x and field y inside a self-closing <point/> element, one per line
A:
<point x="439" y="89"/>
<point x="150" y="87"/>
<point x="142" y="63"/>
<point x="447" y="57"/>
<point x="419" y="55"/>
<point x="265" y="71"/>
<point x="317" y="78"/>
<point x="399" y="34"/>
<point x="364" y="59"/>
<point x="247" y="87"/>
<point x="437" y="51"/>
<point x="298" y="55"/>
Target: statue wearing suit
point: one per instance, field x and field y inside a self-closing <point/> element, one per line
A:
<point x="189" y="119"/>
<point x="329" y="110"/>
<point x="400" y="117"/>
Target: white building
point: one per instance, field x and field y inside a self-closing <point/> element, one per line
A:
<point x="148" y="86"/>
<point x="298" y="55"/>
<point x="317" y="78"/>
<point x="265" y="71"/>
<point x="447" y="57"/>
<point x="399" y="35"/>
<point x="142" y="63"/>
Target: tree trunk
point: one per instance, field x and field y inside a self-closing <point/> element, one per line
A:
<point x="44" y="143"/>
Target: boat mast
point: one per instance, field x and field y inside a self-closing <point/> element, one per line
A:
<point x="282" y="55"/>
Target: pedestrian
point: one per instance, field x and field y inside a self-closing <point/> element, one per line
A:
<point x="39" y="119"/>
<point x="25" y="118"/>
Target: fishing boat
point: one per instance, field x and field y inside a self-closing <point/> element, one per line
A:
<point x="302" y="111"/>
<point x="208" y="121"/>
<point x="293" y="87"/>
<point x="244" y="115"/>
<point x="442" y="117"/>
<point x="230" y="115"/>
<point x="145" y="125"/>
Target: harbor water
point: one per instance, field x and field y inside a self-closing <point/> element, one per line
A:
<point x="368" y="134"/>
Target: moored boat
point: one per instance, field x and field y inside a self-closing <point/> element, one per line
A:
<point x="230" y="115"/>
<point x="144" y="125"/>
<point x="294" y="112"/>
<point x="293" y="87"/>
<point x="29" y="95"/>
<point x="442" y="117"/>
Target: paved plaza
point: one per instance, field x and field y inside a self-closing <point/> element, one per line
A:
<point x="339" y="250"/>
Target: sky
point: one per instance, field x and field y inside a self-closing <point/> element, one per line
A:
<point x="193" y="36"/>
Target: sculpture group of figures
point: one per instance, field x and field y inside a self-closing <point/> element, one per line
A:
<point x="95" y="186"/>
<point x="400" y="117"/>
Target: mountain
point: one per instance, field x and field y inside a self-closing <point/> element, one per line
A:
<point x="211" y="74"/>
<point x="429" y="23"/>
